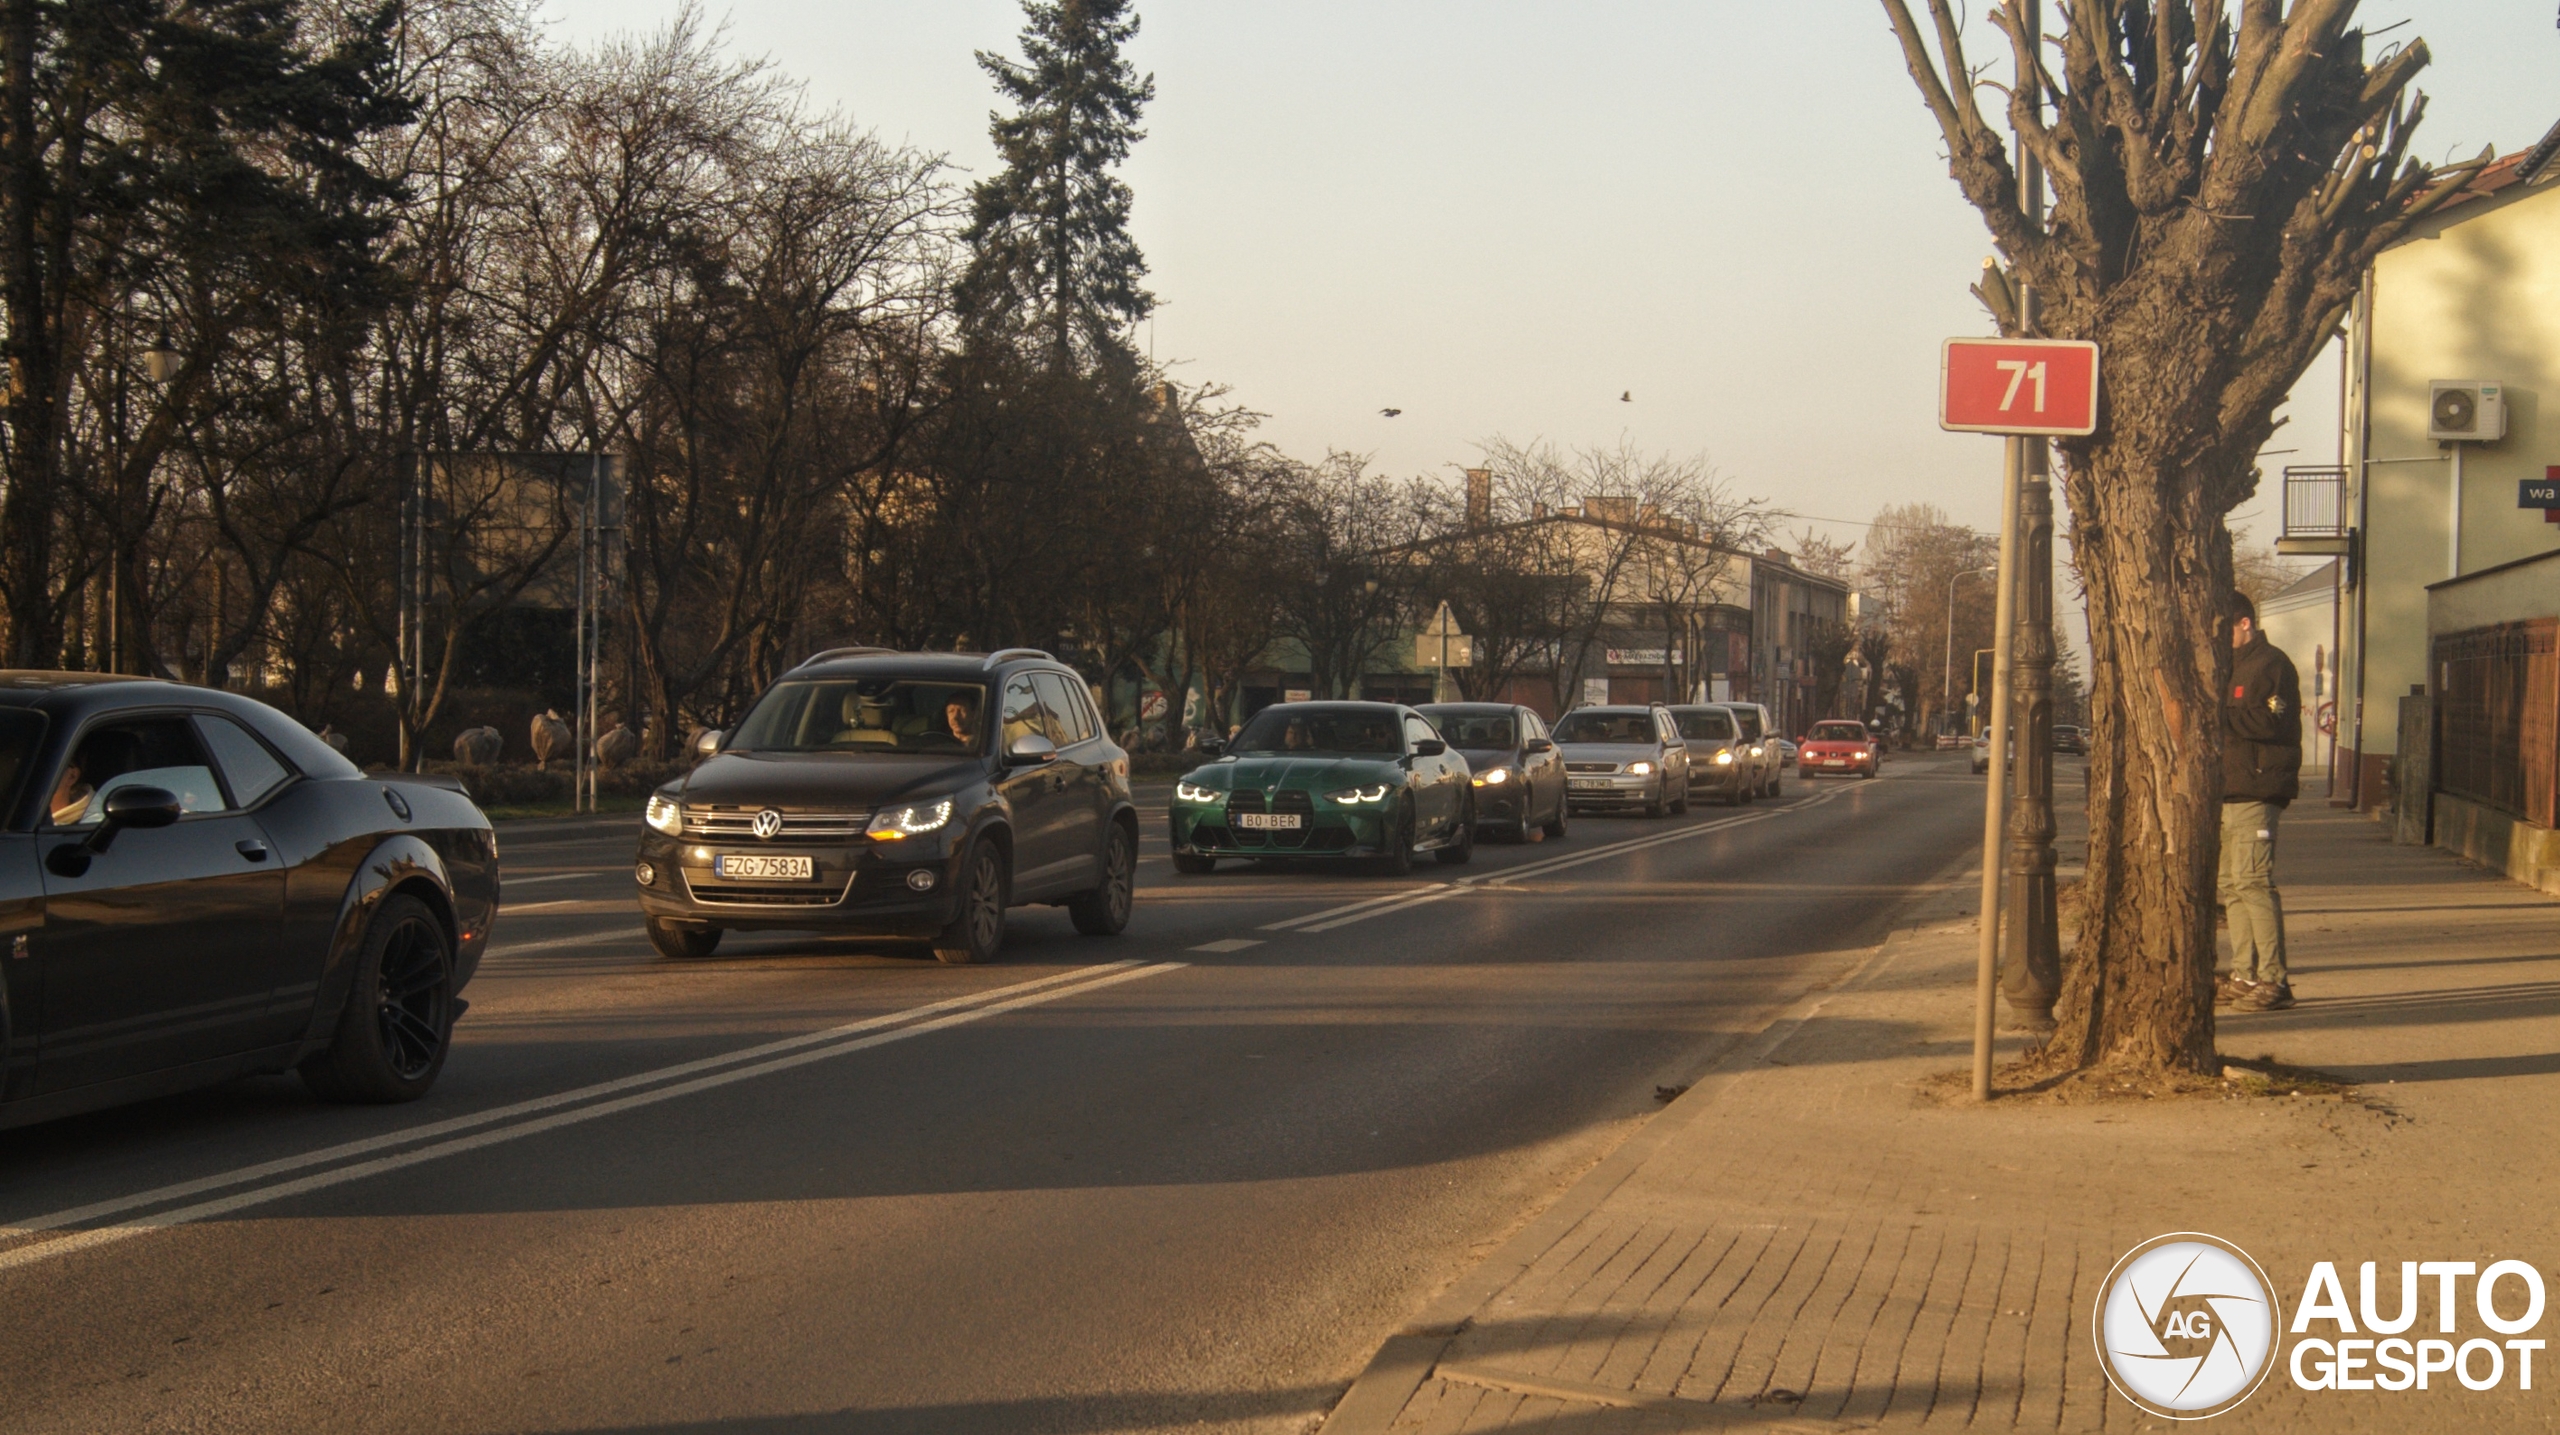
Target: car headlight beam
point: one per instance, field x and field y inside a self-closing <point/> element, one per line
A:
<point x="1355" y="796"/>
<point x="1193" y="792"/>
<point x="1639" y="768"/>
<point x="896" y="824"/>
<point x="1493" y="777"/>
<point x="666" y="815"/>
<point x="1724" y="757"/>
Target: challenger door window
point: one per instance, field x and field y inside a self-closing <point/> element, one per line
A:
<point x="136" y="752"/>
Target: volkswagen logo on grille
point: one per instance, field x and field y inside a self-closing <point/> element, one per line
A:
<point x="767" y="823"/>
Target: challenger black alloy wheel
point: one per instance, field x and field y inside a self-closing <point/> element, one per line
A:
<point x="977" y="925"/>
<point x="1104" y="911"/>
<point x="683" y="941"/>
<point x="392" y="1033"/>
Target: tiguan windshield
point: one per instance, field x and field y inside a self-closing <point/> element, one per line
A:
<point x="865" y="715"/>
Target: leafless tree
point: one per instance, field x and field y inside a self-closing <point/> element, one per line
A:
<point x="2222" y="176"/>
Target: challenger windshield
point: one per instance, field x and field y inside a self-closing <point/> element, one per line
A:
<point x="1284" y="731"/>
<point x="866" y="715"/>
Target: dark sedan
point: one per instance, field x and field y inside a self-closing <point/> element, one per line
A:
<point x="1512" y="764"/>
<point x="193" y="887"/>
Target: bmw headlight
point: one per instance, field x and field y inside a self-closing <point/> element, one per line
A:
<point x="1194" y="792"/>
<point x="1354" y="796"/>
<point x="895" y="824"/>
<point x="1493" y="777"/>
<point x="1724" y="757"/>
<point x="666" y="815"/>
<point x="1639" y="768"/>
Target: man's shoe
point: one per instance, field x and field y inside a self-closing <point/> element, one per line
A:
<point x="2228" y="989"/>
<point x="2267" y="996"/>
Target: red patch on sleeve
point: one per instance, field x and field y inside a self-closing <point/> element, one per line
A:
<point x="2239" y="691"/>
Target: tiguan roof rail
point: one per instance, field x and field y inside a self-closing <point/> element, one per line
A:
<point x="831" y="654"/>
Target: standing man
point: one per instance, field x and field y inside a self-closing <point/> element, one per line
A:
<point x="2261" y="773"/>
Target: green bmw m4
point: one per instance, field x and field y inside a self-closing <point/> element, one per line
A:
<point x="1371" y="781"/>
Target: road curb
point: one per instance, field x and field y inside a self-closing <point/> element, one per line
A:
<point x="1409" y="1357"/>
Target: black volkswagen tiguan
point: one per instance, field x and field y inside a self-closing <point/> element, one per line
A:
<point x="907" y="796"/>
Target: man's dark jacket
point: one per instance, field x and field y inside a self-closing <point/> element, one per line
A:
<point x="2262" y="726"/>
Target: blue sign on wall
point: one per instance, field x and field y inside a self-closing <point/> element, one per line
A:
<point x="2538" y="492"/>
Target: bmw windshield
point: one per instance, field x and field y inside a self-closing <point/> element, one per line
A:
<point x="865" y="716"/>
<point x="1289" y="731"/>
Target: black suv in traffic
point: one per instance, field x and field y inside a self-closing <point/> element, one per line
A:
<point x="910" y="796"/>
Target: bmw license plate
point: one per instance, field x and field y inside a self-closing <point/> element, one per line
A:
<point x="757" y="867"/>
<point x="1268" y="821"/>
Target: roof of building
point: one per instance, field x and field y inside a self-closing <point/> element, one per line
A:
<point x="2538" y="165"/>
<point x="2316" y="586"/>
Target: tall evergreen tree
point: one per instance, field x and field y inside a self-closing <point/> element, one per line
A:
<point x="1051" y="255"/>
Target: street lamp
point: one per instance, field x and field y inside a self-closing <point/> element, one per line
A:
<point x="1947" y="687"/>
<point x="161" y="362"/>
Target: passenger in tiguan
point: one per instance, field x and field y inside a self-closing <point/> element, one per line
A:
<point x="2261" y="774"/>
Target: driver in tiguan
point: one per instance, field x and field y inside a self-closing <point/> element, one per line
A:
<point x="2261" y="774"/>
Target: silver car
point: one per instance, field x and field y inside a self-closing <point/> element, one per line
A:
<point x="1757" y="730"/>
<point x="1624" y="757"/>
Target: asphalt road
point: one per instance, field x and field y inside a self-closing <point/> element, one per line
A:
<point x="1181" y="1179"/>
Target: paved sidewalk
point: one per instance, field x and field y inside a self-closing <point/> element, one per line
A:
<point x="1811" y="1238"/>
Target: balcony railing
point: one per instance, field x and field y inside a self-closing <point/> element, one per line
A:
<point x="2315" y="511"/>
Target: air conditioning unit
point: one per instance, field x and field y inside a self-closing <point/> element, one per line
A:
<point x="2466" y="411"/>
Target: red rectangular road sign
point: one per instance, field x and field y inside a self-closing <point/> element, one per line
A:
<point x="2018" y="386"/>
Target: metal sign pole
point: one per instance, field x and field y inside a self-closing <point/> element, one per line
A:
<point x="1995" y="801"/>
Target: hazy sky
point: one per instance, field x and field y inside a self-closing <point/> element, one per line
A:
<point x="1498" y="217"/>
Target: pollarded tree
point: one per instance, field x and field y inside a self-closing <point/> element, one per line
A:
<point x="1050" y="252"/>
<point x="2220" y="184"/>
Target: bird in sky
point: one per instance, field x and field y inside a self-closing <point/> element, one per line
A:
<point x="1628" y="397"/>
<point x="1390" y="413"/>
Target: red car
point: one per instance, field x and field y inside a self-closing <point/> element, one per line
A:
<point x="1841" y="747"/>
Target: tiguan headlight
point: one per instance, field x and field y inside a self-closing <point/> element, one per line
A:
<point x="665" y="815"/>
<point x="893" y="824"/>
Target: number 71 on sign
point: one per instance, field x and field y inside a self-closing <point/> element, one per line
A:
<point x="2018" y="386"/>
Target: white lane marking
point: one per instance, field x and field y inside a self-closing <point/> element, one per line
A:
<point x="98" y="1236"/>
<point x="506" y="881"/>
<point x="1228" y="944"/>
<point x="520" y="908"/>
<point x="1423" y="900"/>
<point x="120" y="1204"/>
<point x="1404" y="895"/>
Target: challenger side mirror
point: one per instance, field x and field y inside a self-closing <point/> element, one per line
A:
<point x="1429" y="747"/>
<point x="139" y="807"/>
<point x="1029" y="750"/>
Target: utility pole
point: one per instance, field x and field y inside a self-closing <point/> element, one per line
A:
<point x="2030" y="937"/>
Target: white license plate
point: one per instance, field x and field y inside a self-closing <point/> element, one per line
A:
<point x="1268" y="821"/>
<point x="1835" y="762"/>
<point x="1586" y="784"/>
<point x="756" y="867"/>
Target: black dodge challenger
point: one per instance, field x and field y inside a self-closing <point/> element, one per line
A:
<point x="193" y="887"/>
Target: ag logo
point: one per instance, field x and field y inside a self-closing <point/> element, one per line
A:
<point x="767" y="823"/>
<point x="2186" y="1325"/>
